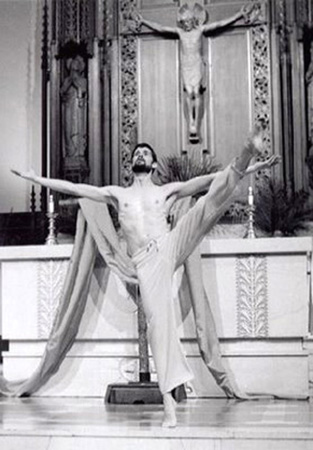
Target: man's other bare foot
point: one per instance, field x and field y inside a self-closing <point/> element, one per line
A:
<point x="236" y="394"/>
<point x="233" y="392"/>
<point x="169" y="419"/>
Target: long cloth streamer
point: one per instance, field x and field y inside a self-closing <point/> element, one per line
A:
<point x="95" y="233"/>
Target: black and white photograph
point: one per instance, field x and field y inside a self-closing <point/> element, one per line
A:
<point x="156" y="224"/>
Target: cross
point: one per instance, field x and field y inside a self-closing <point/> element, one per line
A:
<point x="4" y="347"/>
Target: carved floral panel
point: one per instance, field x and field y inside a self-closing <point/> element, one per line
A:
<point x="51" y="277"/>
<point x="252" y="296"/>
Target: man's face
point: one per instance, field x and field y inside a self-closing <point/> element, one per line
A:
<point x="142" y="161"/>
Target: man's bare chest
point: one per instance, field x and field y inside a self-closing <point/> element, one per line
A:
<point x="143" y="201"/>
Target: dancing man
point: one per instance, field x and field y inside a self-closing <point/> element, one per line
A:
<point x="157" y="251"/>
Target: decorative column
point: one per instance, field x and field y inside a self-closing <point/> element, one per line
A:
<point x="261" y="78"/>
<point x="129" y="94"/>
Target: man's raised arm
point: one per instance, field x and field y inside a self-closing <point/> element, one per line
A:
<point x="191" y="187"/>
<point x="99" y="194"/>
<point x="202" y="183"/>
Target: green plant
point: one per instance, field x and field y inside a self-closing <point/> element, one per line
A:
<point x="280" y="210"/>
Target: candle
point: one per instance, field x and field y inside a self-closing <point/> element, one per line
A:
<point x="51" y="205"/>
<point x="250" y="196"/>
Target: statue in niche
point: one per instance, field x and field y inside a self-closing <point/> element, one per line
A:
<point x="191" y="26"/>
<point x="74" y="98"/>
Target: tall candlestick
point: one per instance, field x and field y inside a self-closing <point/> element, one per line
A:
<point x="250" y="196"/>
<point x="51" y="204"/>
<point x="250" y="230"/>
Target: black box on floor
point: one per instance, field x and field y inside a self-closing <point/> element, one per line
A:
<point x="139" y="393"/>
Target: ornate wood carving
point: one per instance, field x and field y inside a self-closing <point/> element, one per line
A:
<point x="51" y="275"/>
<point x="252" y="297"/>
<point x="76" y="22"/>
<point x="129" y="95"/>
<point x="261" y="82"/>
<point x="74" y="26"/>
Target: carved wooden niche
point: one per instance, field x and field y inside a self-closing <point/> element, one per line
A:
<point x="73" y="32"/>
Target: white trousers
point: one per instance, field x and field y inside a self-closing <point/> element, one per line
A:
<point x="156" y="264"/>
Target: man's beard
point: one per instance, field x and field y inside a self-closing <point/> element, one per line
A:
<point x="141" y="168"/>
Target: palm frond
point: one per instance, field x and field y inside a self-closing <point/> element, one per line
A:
<point x="185" y="167"/>
<point x="279" y="209"/>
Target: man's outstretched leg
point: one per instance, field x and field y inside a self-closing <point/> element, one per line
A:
<point x="199" y="220"/>
<point x="224" y="184"/>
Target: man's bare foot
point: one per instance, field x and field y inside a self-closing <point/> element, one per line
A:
<point x="169" y="419"/>
<point x="237" y="394"/>
<point x="255" y="142"/>
<point x="252" y="149"/>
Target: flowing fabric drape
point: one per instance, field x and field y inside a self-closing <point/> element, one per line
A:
<point x="95" y="234"/>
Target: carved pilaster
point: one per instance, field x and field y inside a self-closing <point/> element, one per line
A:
<point x="129" y="95"/>
<point x="50" y="278"/>
<point x="261" y="83"/>
<point x="252" y="296"/>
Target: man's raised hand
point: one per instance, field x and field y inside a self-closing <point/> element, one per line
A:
<point x="29" y="175"/>
<point x="269" y="162"/>
<point x="255" y="141"/>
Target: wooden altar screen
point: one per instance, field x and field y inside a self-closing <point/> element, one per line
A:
<point x="237" y="94"/>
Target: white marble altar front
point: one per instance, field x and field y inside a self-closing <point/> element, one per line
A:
<point x="259" y="290"/>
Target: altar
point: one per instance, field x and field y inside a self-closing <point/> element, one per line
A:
<point x="260" y="294"/>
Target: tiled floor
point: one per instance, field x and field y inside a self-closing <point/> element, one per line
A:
<point x="80" y="423"/>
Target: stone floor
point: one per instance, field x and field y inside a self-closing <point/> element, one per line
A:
<point x="49" y="423"/>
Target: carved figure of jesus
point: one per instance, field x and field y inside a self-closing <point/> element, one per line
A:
<point x="191" y="26"/>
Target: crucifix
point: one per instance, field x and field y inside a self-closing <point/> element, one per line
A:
<point x="4" y="347"/>
<point x="192" y="25"/>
